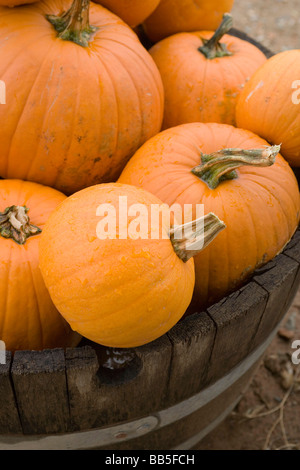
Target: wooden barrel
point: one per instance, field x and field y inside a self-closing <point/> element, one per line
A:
<point x="166" y="395"/>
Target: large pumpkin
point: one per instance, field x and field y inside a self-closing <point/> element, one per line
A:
<point x="175" y="16"/>
<point x="260" y="206"/>
<point x="115" y="279"/>
<point x="80" y="99"/>
<point x="203" y="74"/>
<point x="270" y="103"/>
<point x="14" y="3"/>
<point x="133" y="12"/>
<point x="28" y="318"/>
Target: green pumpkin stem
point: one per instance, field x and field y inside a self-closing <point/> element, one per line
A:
<point x="15" y="224"/>
<point x="213" y="47"/>
<point x="191" y="238"/>
<point x="73" y="25"/>
<point x="220" y="166"/>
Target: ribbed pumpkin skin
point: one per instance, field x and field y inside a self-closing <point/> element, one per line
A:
<point x="14" y="3"/>
<point x="133" y="12"/>
<point x="260" y="208"/>
<point x="266" y="104"/>
<point x="198" y="89"/>
<point x="28" y="318"/>
<point x="116" y="292"/>
<point x="174" y="16"/>
<point x="74" y="115"/>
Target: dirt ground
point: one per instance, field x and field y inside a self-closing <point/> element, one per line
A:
<point x="274" y="23"/>
<point x="268" y="416"/>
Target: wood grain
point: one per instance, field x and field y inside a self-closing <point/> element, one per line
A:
<point x="237" y="318"/>
<point x="192" y="345"/>
<point x="9" y="416"/>
<point x="168" y="437"/>
<point x="99" y="398"/>
<point x="41" y="390"/>
<point x="281" y="281"/>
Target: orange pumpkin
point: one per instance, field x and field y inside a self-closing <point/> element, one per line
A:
<point x="115" y="283"/>
<point x="80" y="99"/>
<point x="260" y="206"/>
<point x="203" y="74"/>
<point x="28" y="318"/>
<point x="175" y="16"/>
<point x="133" y="12"/>
<point x="270" y="103"/>
<point x="14" y="3"/>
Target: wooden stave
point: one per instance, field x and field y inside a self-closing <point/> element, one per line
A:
<point x="174" y="428"/>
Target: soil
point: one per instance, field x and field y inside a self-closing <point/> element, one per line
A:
<point x="274" y="23"/>
<point x="268" y="415"/>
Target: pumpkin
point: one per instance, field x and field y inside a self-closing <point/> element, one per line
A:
<point x="270" y="103"/>
<point x="175" y="16"/>
<point x="189" y="164"/>
<point x="133" y="12"/>
<point x="115" y="283"/>
<point x="14" y="3"/>
<point x="28" y="318"/>
<point x="203" y="74"/>
<point x="82" y="95"/>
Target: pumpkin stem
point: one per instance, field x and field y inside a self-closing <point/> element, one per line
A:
<point x="212" y="47"/>
<point x="220" y="166"/>
<point x="191" y="238"/>
<point x="73" y="25"/>
<point x="15" y="224"/>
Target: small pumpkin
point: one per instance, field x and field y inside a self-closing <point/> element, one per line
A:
<point x="269" y="105"/>
<point x="203" y="74"/>
<point x="116" y="284"/>
<point x="28" y="318"/>
<point x="189" y="164"/>
<point x="133" y="12"/>
<point x="175" y="16"/>
<point x="82" y="94"/>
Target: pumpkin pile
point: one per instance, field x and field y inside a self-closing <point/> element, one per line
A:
<point x="114" y="109"/>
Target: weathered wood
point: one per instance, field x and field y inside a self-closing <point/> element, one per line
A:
<point x="216" y="407"/>
<point x="280" y="279"/>
<point x="87" y="440"/>
<point x="83" y="388"/>
<point x="174" y="435"/>
<point x="153" y="379"/>
<point x="40" y="386"/>
<point x="9" y="416"/>
<point x="151" y="425"/>
<point x="292" y="250"/>
<point x="237" y="318"/>
<point x="192" y="343"/>
<point x="99" y="397"/>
